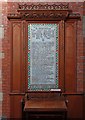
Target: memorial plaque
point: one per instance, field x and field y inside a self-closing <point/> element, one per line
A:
<point x="42" y="56"/>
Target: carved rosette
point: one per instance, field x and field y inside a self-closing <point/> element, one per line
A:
<point x="43" y="12"/>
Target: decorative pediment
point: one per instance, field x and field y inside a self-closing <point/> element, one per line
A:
<point x="43" y="12"/>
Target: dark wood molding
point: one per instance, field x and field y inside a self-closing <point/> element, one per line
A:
<point x="43" y="12"/>
<point x="11" y="93"/>
<point x="73" y="93"/>
<point x="44" y="92"/>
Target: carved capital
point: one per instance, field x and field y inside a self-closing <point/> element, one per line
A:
<point x="74" y="15"/>
<point x="13" y="15"/>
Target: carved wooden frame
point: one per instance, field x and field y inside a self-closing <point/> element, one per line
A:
<point x="44" y="12"/>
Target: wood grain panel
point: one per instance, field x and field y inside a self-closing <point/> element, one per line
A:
<point x="61" y="56"/>
<point x="84" y="107"/>
<point x="15" y="110"/>
<point x="70" y="56"/>
<point x="16" y="57"/>
<point x="75" y="106"/>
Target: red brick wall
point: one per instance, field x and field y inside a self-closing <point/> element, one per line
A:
<point x="84" y="53"/>
<point x="12" y="7"/>
<point x="0" y="61"/>
<point x="5" y="63"/>
<point x="84" y="44"/>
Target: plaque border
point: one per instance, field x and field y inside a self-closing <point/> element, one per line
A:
<point x="44" y="87"/>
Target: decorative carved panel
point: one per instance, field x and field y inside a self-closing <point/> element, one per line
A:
<point x="43" y="7"/>
<point x="43" y="12"/>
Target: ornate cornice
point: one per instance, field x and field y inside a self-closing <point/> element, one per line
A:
<point x="43" y="12"/>
<point x="39" y="15"/>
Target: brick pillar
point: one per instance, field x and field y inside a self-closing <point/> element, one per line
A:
<point x="84" y="54"/>
<point x="1" y="56"/>
<point x="80" y="56"/>
<point x="5" y="63"/>
<point x="84" y="43"/>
